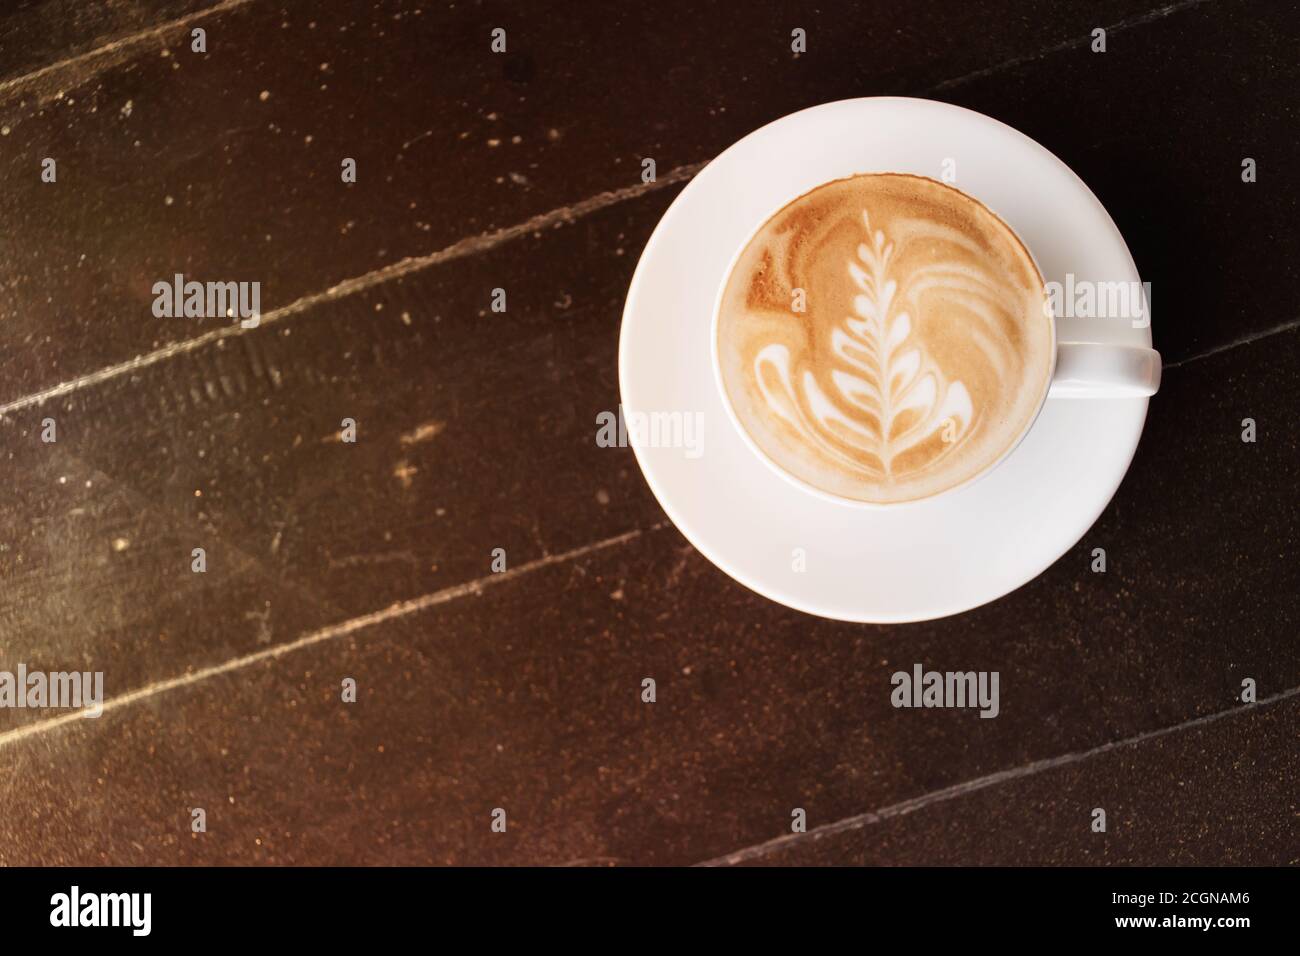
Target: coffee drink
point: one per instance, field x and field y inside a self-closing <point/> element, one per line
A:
<point x="884" y="338"/>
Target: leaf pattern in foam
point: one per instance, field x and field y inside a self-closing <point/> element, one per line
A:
<point x="888" y="397"/>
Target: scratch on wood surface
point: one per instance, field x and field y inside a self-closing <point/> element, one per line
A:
<point x="423" y="432"/>
<point x="383" y="557"/>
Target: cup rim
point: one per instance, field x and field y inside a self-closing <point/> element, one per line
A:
<point x="831" y="496"/>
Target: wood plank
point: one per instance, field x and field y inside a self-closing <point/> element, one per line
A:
<point x="476" y="431"/>
<point x="527" y="696"/>
<point x="202" y="175"/>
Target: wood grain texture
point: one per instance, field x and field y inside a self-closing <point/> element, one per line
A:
<point x="476" y="431"/>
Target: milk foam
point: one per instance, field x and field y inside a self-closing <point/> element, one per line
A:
<point x="922" y="351"/>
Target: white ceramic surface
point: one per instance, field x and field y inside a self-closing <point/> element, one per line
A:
<point x="937" y="557"/>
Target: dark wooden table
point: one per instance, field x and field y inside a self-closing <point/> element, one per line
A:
<point x="372" y="560"/>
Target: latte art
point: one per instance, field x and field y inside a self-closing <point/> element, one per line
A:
<point x="883" y="338"/>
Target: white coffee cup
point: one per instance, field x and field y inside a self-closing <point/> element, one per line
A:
<point x="1080" y="370"/>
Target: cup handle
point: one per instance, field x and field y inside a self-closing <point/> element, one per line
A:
<point x="1096" y="370"/>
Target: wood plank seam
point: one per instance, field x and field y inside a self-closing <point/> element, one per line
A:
<point x="472" y="245"/>
<point x="1127" y="24"/>
<point x="76" y="70"/>
<point x="1244" y="340"/>
<point x="342" y="629"/>
<point x="982" y="783"/>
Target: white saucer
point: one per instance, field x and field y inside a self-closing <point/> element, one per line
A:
<point x="935" y="558"/>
